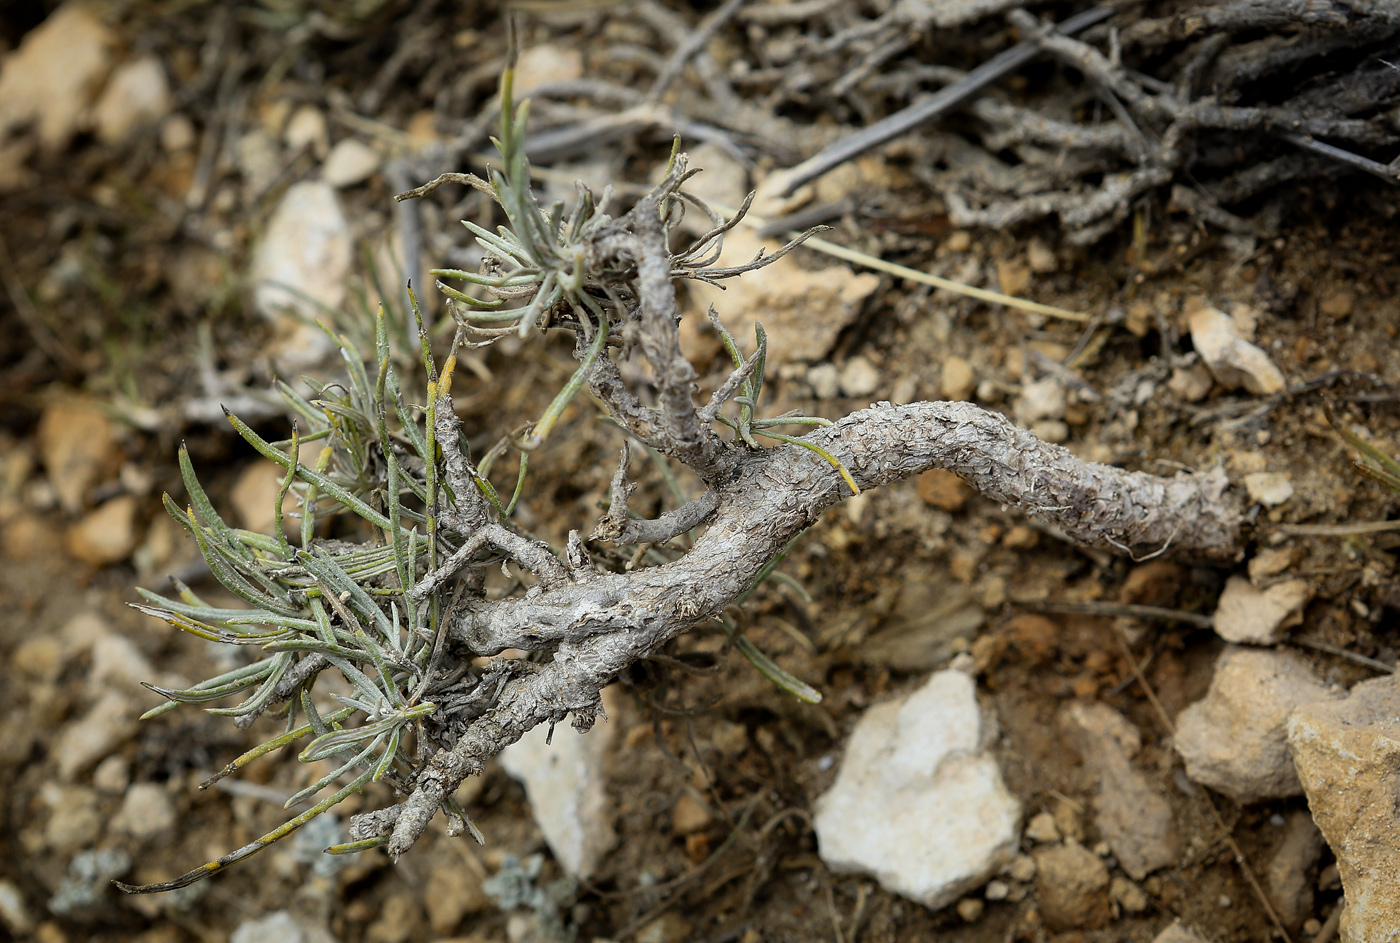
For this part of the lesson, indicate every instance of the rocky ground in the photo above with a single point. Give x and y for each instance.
(1017, 740)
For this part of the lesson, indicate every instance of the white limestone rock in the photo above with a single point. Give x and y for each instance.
(1248, 614)
(566, 785)
(302, 264)
(1234, 361)
(1235, 740)
(137, 95)
(350, 162)
(1347, 753)
(918, 801)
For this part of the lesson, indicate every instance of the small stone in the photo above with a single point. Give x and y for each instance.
(1338, 305)
(1133, 818)
(970, 909)
(1286, 875)
(146, 812)
(1034, 636)
(1128, 895)
(1268, 488)
(567, 788)
(1234, 361)
(254, 496)
(689, 815)
(859, 377)
(1268, 562)
(350, 162)
(13, 914)
(959, 241)
(52, 77)
(546, 64)
(118, 664)
(112, 775)
(1020, 537)
(1013, 275)
(78, 445)
(1235, 740)
(1177, 933)
(1191, 384)
(94, 736)
(1247, 614)
(1022, 868)
(803, 310)
(1346, 753)
(276, 927)
(307, 129)
(729, 738)
(177, 134)
(668, 928)
(825, 381)
(41, 658)
(1072, 888)
(919, 767)
(106, 535)
(73, 821)
(957, 379)
(1041, 257)
(1043, 399)
(452, 893)
(259, 161)
(1042, 828)
(1051, 430)
(307, 248)
(997, 890)
(137, 95)
(942, 489)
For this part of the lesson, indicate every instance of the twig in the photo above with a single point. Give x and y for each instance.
(693, 44)
(1345, 653)
(941, 102)
(1386, 172)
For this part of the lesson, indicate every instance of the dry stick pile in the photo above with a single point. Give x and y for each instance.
(1222, 102)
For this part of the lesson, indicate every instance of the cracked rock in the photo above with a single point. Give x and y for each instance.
(1235, 740)
(918, 802)
(1347, 753)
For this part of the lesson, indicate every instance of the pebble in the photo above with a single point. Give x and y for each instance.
(1191, 384)
(117, 664)
(307, 129)
(1287, 873)
(397, 920)
(668, 928)
(146, 812)
(1177, 933)
(306, 246)
(1042, 828)
(1128, 895)
(1268, 488)
(1072, 888)
(94, 736)
(73, 820)
(1022, 868)
(1130, 814)
(78, 445)
(546, 63)
(1013, 275)
(1269, 561)
(942, 489)
(1234, 361)
(957, 379)
(1041, 257)
(689, 815)
(276, 927)
(13, 914)
(350, 162)
(177, 133)
(997, 890)
(803, 310)
(106, 535)
(1347, 752)
(859, 377)
(1043, 399)
(137, 95)
(1235, 740)
(730, 738)
(825, 381)
(1338, 305)
(970, 909)
(1248, 614)
(52, 77)
(918, 801)
(112, 775)
(254, 496)
(567, 788)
